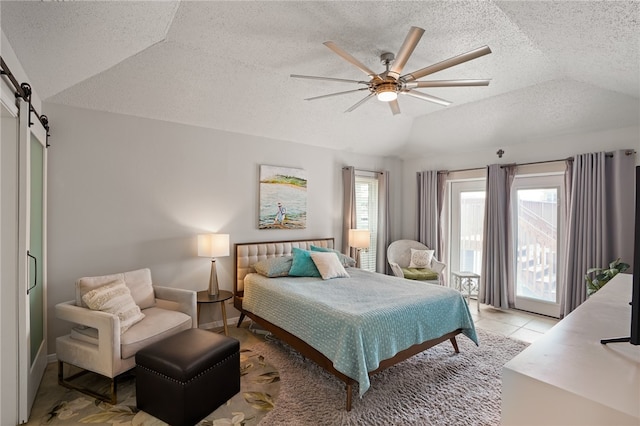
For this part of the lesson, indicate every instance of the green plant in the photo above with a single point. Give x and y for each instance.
(602, 276)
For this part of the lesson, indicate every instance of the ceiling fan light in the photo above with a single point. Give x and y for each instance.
(387, 95)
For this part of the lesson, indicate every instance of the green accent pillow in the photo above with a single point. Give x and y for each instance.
(274, 266)
(421, 274)
(347, 261)
(302, 265)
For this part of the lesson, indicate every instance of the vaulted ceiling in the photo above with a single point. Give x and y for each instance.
(556, 67)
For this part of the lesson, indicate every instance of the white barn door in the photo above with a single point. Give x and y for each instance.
(32, 289)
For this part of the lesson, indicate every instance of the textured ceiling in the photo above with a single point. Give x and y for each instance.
(556, 67)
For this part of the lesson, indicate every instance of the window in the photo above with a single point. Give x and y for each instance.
(367, 216)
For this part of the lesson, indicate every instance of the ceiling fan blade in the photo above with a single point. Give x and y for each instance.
(426, 97)
(341, 80)
(409, 44)
(447, 63)
(369, 96)
(336, 94)
(346, 56)
(447, 83)
(395, 107)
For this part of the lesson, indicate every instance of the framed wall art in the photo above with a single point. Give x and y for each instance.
(283, 198)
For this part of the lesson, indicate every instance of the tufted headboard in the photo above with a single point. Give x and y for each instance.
(249, 253)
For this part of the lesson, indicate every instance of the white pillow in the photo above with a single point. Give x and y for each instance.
(115, 298)
(421, 258)
(139, 283)
(329, 265)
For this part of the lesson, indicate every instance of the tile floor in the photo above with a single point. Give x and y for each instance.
(512, 323)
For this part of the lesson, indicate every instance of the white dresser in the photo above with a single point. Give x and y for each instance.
(568, 378)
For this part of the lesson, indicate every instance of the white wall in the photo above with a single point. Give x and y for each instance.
(128, 192)
(542, 150)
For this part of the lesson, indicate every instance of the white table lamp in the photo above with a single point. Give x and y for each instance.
(213, 245)
(359, 239)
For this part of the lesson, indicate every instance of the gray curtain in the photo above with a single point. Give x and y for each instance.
(431, 185)
(442, 183)
(428, 212)
(600, 219)
(496, 278)
(384, 224)
(348, 208)
(620, 175)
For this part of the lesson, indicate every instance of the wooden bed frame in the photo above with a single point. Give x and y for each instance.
(298, 344)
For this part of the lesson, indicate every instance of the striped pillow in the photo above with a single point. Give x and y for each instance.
(115, 298)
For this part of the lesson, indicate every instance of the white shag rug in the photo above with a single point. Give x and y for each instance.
(435, 387)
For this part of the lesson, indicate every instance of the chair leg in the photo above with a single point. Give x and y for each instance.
(112, 398)
(240, 320)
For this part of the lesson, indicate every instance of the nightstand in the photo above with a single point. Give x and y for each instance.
(223, 296)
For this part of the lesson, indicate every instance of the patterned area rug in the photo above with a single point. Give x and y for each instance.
(259, 387)
(280, 387)
(435, 387)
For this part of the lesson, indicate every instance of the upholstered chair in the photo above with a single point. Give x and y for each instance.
(399, 255)
(114, 316)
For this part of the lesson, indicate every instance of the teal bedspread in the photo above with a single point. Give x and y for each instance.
(359, 321)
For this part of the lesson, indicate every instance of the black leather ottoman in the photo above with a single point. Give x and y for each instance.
(185, 377)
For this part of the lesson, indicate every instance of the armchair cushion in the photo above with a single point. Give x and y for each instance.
(139, 283)
(115, 298)
(158, 325)
(422, 274)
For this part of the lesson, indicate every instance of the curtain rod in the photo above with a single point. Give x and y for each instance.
(570, 159)
(608, 155)
(510, 164)
(446, 172)
(24, 91)
(362, 170)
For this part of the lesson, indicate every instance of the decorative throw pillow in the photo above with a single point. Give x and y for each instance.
(115, 298)
(139, 284)
(274, 266)
(420, 258)
(302, 264)
(329, 265)
(347, 261)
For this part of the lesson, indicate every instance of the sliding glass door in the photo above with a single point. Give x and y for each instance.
(536, 206)
(467, 225)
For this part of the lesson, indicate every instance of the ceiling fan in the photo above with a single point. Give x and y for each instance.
(387, 85)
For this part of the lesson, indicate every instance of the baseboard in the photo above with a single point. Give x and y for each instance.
(218, 323)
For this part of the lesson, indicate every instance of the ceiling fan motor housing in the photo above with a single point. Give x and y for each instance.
(386, 90)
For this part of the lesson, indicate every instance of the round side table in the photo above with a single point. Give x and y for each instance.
(223, 295)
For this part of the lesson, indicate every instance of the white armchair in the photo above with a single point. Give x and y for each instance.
(399, 257)
(96, 342)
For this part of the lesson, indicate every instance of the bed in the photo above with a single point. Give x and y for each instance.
(352, 327)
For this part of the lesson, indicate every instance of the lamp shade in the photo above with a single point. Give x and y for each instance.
(359, 238)
(213, 245)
